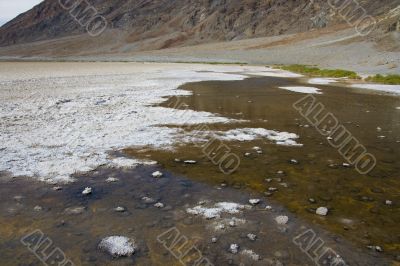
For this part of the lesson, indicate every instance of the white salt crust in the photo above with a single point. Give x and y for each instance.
(54, 125)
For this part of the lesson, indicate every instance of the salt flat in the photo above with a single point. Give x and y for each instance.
(58, 119)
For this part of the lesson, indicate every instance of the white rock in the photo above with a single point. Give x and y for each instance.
(148, 200)
(234, 248)
(232, 223)
(252, 237)
(119, 209)
(112, 180)
(389, 202)
(87, 191)
(57, 188)
(190, 162)
(157, 174)
(159, 205)
(282, 220)
(322, 211)
(268, 208)
(346, 165)
(214, 240)
(118, 246)
(38, 208)
(254, 201)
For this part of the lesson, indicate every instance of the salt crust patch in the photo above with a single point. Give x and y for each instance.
(53, 126)
(395, 89)
(303, 89)
(118, 246)
(248, 134)
(322, 81)
(216, 210)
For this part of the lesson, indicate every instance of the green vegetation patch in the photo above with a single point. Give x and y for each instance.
(388, 79)
(315, 71)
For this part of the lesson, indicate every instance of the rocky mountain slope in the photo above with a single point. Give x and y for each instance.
(181, 22)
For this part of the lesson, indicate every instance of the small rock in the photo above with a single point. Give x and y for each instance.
(120, 209)
(294, 161)
(234, 249)
(87, 191)
(159, 205)
(311, 200)
(252, 237)
(157, 174)
(346, 165)
(190, 162)
(214, 240)
(57, 188)
(268, 180)
(389, 202)
(74, 210)
(378, 129)
(272, 189)
(254, 201)
(282, 220)
(148, 200)
(232, 223)
(37, 208)
(268, 208)
(247, 154)
(322, 211)
(177, 160)
(112, 180)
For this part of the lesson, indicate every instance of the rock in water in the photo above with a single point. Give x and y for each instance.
(87, 191)
(322, 211)
(118, 246)
(157, 174)
(282, 220)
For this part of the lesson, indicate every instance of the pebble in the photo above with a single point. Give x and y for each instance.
(159, 205)
(389, 202)
(268, 208)
(87, 191)
(74, 210)
(268, 180)
(112, 180)
(378, 129)
(232, 223)
(157, 174)
(148, 200)
(37, 208)
(282, 220)
(247, 154)
(294, 161)
(311, 200)
(190, 162)
(346, 165)
(57, 188)
(177, 160)
(272, 189)
(254, 201)
(322, 211)
(120, 209)
(214, 240)
(234, 248)
(252, 237)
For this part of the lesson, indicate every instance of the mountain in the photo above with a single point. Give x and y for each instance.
(50, 29)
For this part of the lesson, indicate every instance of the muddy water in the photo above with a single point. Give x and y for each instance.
(79, 234)
(357, 203)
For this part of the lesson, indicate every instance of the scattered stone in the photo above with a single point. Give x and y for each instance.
(177, 160)
(346, 165)
(268, 180)
(118, 246)
(148, 200)
(234, 248)
(285, 185)
(214, 240)
(232, 223)
(112, 180)
(57, 188)
(381, 137)
(87, 191)
(322, 211)
(159, 205)
(252, 237)
(254, 202)
(272, 189)
(282, 220)
(37, 208)
(268, 208)
(378, 129)
(311, 200)
(247, 154)
(157, 174)
(294, 161)
(190, 162)
(120, 209)
(329, 138)
(18, 198)
(376, 248)
(389, 202)
(280, 172)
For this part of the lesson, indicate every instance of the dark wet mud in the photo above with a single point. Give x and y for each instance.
(357, 203)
